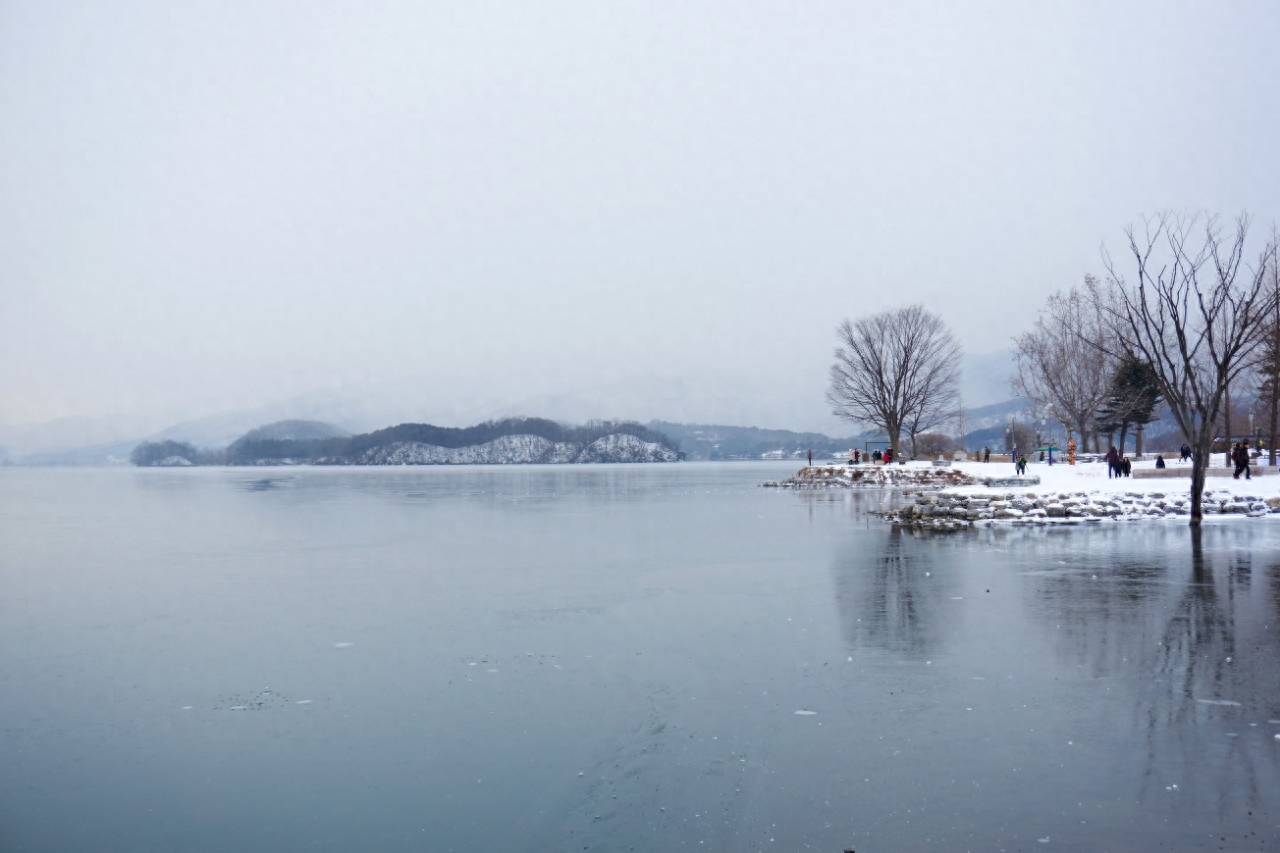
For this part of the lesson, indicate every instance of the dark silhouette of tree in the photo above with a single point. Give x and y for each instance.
(1131, 399)
(1269, 366)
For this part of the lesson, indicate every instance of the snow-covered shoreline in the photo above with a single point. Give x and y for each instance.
(967, 493)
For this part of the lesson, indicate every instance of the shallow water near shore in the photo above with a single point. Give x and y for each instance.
(653, 657)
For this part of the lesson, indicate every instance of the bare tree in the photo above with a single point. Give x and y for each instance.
(1064, 362)
(1195, 314)
(960, 424)
(896, 370)
(1269, 371)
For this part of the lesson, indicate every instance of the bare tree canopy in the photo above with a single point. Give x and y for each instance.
(896, 370)
(1269, 368)
(1063, 362)
(1195, 312)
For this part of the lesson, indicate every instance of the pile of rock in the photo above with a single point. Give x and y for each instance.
(950, 510)
(845, 476)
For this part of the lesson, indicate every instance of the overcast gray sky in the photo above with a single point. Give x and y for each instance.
(207, 205)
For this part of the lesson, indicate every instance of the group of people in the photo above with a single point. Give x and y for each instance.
(1117, 465)
(874, 456)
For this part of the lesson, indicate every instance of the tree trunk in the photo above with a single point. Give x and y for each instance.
(1198, 463)
(1124, 435)
(1226, 418)
(1271, 439)
(1275, 385)
(1137, 441)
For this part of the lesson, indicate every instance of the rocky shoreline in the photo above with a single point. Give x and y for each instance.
(852, 476)
(951, 498)
(949, 510)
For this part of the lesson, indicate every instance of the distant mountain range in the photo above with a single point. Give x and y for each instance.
(705, 398)
(510, 441)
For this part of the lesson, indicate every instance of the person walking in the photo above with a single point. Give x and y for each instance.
(986, 454)
(1113, 462)
(1126, 467)
(810, 458)
(1241, 454)
(1020, 467)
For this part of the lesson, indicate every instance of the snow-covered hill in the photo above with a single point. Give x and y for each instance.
(515, 450)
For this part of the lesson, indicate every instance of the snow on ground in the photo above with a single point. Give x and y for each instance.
(965, 493)
(1092, 477)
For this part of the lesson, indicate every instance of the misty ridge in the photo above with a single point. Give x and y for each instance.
(509, 441)
(698, 408)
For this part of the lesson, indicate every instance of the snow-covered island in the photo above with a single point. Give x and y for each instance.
(512, 441)
(963, 494)
(514, 450)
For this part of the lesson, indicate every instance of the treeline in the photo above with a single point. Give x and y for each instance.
(1183, 324)
(718, 441)
(251, 450)
(173, 454)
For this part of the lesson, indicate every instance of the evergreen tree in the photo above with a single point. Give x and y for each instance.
(1131, 399)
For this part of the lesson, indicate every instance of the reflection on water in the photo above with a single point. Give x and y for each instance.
(896, 606)
(609, 657)
(1182, 624)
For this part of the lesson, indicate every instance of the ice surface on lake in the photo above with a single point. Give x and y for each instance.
(565, 563)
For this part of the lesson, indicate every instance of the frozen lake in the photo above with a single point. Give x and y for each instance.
(610, 658)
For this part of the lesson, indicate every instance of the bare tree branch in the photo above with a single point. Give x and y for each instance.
(1198, 319)
(1065, 362)
(896, 370)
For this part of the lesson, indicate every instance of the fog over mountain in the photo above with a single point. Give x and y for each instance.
(362, 213)
(793, 403)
